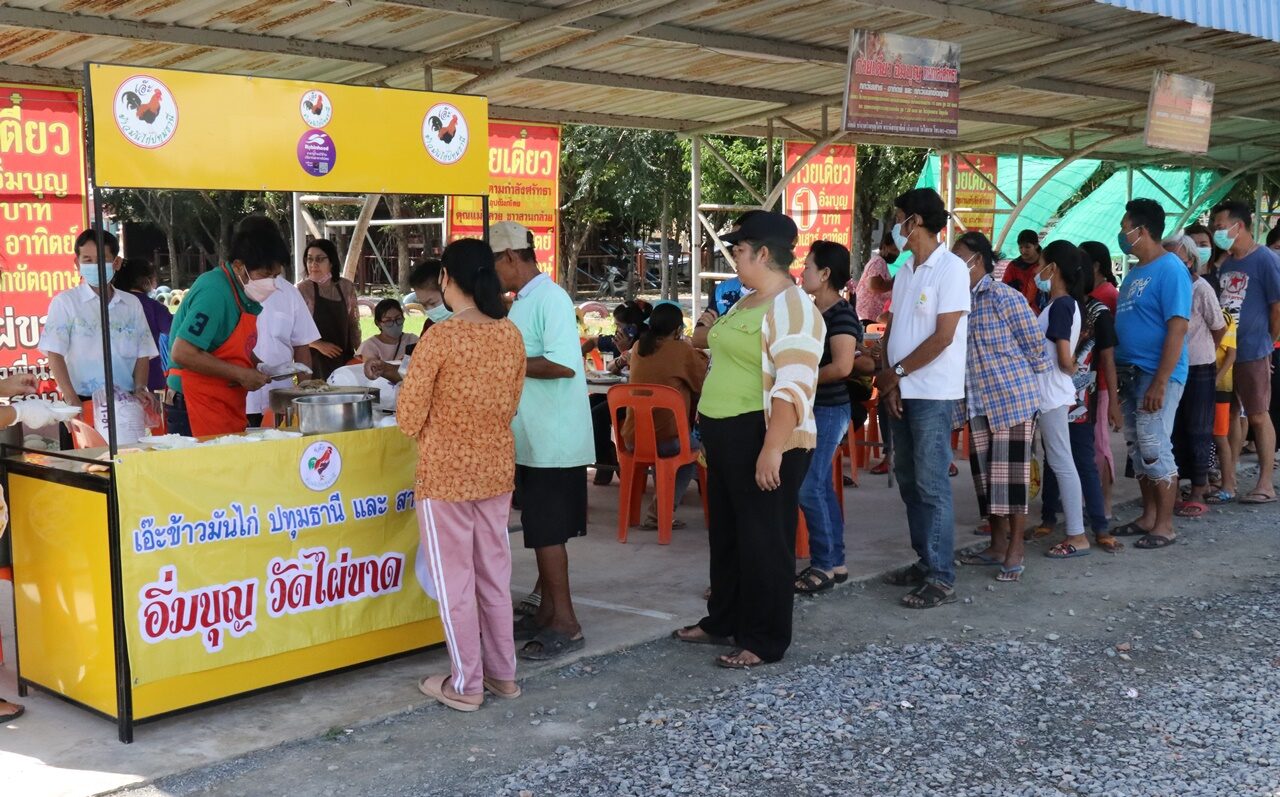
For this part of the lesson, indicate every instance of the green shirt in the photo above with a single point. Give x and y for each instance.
(209, 313)
(735, 384)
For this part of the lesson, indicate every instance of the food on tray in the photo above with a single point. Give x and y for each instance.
(273, 434)
(168, 441)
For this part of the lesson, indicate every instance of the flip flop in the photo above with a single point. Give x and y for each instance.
(433, 686)
(1190, 509)
(1257, 497)
(525, 628)
(980, 559)
(1109, 544)
(551, 645)
(1129, 530)
(1219, 497)
(10, 717)
(1065, 550)
(1010, 575)
(1154, 541)
(811, 581)
(490, 686)
(708, 639)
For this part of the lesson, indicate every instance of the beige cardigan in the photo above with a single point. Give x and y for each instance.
(791, 340)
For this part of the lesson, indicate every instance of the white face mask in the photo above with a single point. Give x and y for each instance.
(258, 290)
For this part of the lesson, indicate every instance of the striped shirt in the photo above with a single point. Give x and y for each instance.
(1005, 352)
(791, 339)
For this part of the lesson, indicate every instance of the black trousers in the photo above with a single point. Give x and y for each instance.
(752, 537)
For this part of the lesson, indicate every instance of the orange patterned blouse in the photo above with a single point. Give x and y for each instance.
(457, 401)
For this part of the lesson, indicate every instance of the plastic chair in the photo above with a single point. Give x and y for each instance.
(85, 436)
(642, 402)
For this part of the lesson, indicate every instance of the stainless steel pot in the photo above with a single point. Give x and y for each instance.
(282, 399)
(324, 413)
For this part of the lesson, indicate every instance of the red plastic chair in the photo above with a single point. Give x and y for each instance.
(642, 402)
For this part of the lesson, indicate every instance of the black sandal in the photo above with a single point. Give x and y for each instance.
(1129, 530)
(812, 581)
(11, 717)
(1151, 542)
(551, 645)
(929, 596)
(525, 628)
(909, 576)
(680, 634)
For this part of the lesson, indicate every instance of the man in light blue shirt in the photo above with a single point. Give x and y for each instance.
(553, 437)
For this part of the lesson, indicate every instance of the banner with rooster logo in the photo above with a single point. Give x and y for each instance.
(311, 541)
(165, 128)
(42, 210)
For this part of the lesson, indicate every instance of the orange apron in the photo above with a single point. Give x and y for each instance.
(214, 405)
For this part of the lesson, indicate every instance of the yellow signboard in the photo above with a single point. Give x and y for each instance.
(162, 128)
(219, 569)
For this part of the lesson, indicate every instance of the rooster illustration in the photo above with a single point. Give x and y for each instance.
(321, 463)
(317, 106)
(444, 133)
(148, 111)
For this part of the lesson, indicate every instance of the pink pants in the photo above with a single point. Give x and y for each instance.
(469, 561)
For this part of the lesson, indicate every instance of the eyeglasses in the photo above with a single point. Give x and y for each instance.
(317, 259)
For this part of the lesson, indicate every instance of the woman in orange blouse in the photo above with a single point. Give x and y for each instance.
(457, 402)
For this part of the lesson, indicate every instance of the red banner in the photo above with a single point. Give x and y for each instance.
(524, 187)
(820, 197)
(973, 192)
(42, 210)
(901, 85)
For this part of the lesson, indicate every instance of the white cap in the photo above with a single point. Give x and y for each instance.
(508, 235)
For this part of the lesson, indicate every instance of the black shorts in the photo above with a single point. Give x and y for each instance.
(553, 504)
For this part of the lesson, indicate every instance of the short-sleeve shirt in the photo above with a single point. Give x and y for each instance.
(733, 386)
(1097, 334)
(1021, 276)
(1150, 295)
(920, 294)
(374, 348)
(1059, 321)
(725, 295)
(284, 324)
(209, 312)
(553, 424)
(1250, 285)
(871, 303)
(840, 320)
(159, 320)
(1206, 318)
(1226, 384)
(73, 329)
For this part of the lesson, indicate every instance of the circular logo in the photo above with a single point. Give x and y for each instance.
(315, 108)
(146, 112)
(320, 466)
(317, 153)
(804, 208)
(445, 133)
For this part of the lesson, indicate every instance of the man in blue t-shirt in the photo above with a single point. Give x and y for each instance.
(1151, 365)
(1250, 280)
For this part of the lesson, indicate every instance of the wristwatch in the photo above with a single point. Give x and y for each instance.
(899, 371)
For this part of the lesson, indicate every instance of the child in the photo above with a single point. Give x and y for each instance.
(1226, 358)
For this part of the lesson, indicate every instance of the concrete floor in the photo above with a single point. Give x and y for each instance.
(626, 595)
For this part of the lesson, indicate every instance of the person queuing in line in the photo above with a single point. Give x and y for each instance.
(553, 438)
(1273, 239)
(1005, 351)
(331, 298)
(1193, 423)
(923, 378)
(1105, 411)
(875, 286)
(212, 365)
(285, 334)
(458, 403)
(826, 270)
(1020, 273)
(1273, 243)
(1093, 346)
(758, 432)
(1223, 416)
(72, 334)
(137, 276)
(424, 281)
(1209, 253)
(1151, 366)
(663, 357)
(1250, 279)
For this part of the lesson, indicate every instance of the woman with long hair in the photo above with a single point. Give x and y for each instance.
(1106, 413)
(331, 298)
(137, 276)
(457, 402)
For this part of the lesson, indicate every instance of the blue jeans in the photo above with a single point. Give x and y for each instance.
(1082, 451)
(684, 475)
(818, 498)
(921, 460)
(1149, 434)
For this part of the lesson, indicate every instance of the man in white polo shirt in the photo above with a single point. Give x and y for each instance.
(922, 378)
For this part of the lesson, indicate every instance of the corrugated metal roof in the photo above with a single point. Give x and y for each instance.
(740, 59)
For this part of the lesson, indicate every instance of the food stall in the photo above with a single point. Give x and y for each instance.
(150, 581)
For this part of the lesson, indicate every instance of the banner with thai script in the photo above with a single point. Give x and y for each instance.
(42, 210)
(310, 541)
(902, 85)
(164, 128)
(820, 197)
(973, 192)
(1179, 113)
(524, 187)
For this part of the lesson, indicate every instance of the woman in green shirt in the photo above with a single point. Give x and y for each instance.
(758, 431)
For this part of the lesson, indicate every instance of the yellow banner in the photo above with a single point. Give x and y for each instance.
(269, 547)
(162, 128)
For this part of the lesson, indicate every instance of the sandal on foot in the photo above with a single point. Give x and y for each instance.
(909, 576)
(18, 711)
(1010, 575)
(433, 686)
(980, 559)
(1153, 541)
(727, 661)
(682, 635)
(529, 604)
(1109, 544)
(491, 686)
(1258, 497)
(1219, 497)
(652, 525)
(840, 578)
(953, 471)
(1065, 550)
(551, 645)
(1129, 530)
(525, 628)
(984, 530)
(1039, 532)
(812, 581)
(880, 470)
(1190, 509)
(929, 596)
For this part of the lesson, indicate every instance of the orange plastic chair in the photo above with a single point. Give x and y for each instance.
(594, 356)
(642, 402)
(6, 574)
(85, 436)
(802, 537)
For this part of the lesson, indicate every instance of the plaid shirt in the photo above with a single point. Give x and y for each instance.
(1005, 352)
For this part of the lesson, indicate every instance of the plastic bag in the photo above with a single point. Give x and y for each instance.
(133, 418)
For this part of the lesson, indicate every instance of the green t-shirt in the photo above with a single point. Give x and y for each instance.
(209, 313)
(735, 384)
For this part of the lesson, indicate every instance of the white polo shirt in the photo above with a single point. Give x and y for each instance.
(920, 294)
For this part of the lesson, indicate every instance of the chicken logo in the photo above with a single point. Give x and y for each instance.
(445, 133)
(316, 109)
(320, 466)
(146, 112)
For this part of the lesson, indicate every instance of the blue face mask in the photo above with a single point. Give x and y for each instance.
(1123, 240)
(1223, 238)
(1043, 284)
(438, 314)
(1205, 253)
(89, 273)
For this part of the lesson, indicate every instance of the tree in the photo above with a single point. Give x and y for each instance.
(884, 173)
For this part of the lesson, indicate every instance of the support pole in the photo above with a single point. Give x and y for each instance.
(1021, 153)
(695, 226)
(768, 156)
(299, 238)
(104, 289)
(951, 195)
(1258, 209)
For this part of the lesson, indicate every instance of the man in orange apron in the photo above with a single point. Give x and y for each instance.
(215, 330)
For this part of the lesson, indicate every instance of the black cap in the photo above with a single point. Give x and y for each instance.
(763, 225)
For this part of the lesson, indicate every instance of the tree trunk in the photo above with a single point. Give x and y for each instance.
(401, 233)
(663, 255)
(571, 268)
